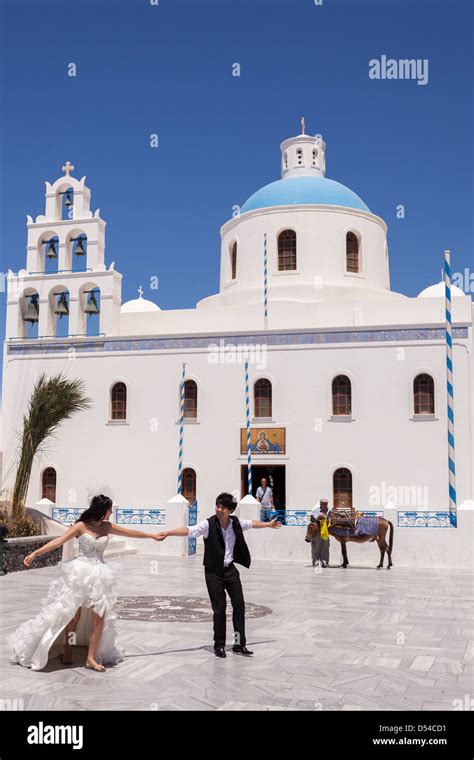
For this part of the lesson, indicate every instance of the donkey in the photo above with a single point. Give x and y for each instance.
(383, 526)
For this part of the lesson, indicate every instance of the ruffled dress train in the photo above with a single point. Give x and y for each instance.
(85, 582)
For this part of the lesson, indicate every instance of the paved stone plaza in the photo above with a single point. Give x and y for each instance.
(329, 640)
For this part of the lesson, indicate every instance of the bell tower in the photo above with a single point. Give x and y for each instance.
(303, 155)
(66, 289)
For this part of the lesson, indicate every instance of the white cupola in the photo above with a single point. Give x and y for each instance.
(303, 155)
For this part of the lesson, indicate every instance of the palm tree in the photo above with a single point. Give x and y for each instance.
(53, 400)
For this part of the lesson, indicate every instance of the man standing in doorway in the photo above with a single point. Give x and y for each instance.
(320, 544)
(224, 545)
(265, 496)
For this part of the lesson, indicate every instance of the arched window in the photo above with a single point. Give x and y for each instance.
(119, 401)
(286, 250)
(233, 261)
(342, 488)
(190, 399)
(263, 398)
(352, 252)
(423, 394)
(341, 395)
(189, 484)
(48, 485)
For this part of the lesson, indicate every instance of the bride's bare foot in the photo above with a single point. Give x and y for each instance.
(93, 665)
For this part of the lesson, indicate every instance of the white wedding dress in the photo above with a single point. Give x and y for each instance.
(85, 582)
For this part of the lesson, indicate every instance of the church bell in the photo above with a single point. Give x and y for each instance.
(68, 201)
(62, 309)
(92, 306)
(80, 251)
(51, 252)
(32, 311)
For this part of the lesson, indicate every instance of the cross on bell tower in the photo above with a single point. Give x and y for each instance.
(67, 168)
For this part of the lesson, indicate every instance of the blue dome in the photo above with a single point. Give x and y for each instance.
(294, 191)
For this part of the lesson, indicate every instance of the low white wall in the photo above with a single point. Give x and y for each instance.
(412, 547)
(176, 517)
(449, 548)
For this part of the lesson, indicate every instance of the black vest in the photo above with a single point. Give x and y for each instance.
(214, 547)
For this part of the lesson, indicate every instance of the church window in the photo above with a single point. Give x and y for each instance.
(287, 250)
(48, 485)
(189, 484)
(352, 252)
(119, 401)
(423, 394)
(190, 399)
(233, 261)
(341, 395)
(263, 398)
(342, 488)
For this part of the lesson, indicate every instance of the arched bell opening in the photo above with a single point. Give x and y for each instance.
(76, 251)
(59, 311)
(89, 301)
(29, 313)
(66, 203)
(48, 253)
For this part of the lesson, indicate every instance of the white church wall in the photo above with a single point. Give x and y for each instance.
(136, 460)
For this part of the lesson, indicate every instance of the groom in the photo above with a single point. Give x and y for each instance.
(224, 545)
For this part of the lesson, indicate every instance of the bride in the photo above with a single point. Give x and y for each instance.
(79, 607)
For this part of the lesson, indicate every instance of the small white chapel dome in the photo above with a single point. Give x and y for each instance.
(437, 291)
(139, 304)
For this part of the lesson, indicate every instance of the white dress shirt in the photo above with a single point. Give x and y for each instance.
(202, 529)
(265, 497)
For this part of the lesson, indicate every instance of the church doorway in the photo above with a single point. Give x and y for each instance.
(276, 479)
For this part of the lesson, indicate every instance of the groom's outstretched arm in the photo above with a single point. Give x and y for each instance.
(184, 531)
(201, 529)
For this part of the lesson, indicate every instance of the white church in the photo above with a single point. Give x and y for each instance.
(347, 379)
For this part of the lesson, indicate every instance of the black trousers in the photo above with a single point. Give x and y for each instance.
(217, 584)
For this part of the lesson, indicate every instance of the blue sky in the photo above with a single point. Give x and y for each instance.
(167, 69)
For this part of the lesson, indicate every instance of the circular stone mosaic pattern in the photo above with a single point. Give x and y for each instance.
(177, 609)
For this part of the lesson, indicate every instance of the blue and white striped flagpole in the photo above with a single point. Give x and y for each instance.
(265, 279)
(247, 413)
(181, 433)
(450, 395)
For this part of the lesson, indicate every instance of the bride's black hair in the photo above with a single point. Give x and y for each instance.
(97, 509)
